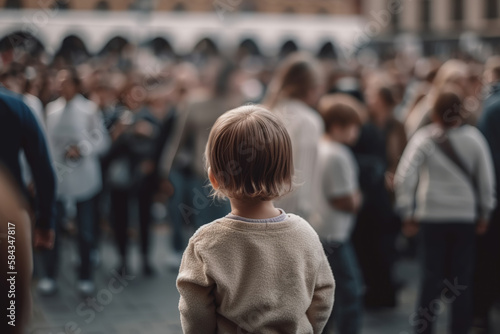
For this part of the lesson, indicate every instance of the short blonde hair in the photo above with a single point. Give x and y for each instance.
(249, 152)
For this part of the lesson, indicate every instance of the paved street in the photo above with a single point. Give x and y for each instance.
(149, 305)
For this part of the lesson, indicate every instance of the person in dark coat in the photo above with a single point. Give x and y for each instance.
(487, 275)
(20, 131)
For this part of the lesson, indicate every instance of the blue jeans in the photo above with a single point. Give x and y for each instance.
(191, 205)
(447, 262)
(348, 307)
(86, 221)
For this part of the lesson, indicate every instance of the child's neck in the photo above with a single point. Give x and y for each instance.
(335, 138)
(253, 209)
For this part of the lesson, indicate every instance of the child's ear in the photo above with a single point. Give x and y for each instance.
(212, 179)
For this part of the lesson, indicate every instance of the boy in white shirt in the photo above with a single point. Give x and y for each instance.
(338, 200)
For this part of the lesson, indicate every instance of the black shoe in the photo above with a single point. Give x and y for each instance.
(122, 268)
(147, 270)
(480, 325)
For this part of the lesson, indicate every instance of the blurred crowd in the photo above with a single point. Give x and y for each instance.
(127, 130)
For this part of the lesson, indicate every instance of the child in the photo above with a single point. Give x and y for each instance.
(258, 269)
(338, 200)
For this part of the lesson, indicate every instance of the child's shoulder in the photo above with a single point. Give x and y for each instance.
(336, 152)
(210, 233)
(332, 147)
(205, 229)
(304, 225)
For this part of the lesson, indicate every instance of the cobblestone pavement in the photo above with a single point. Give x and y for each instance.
(149, 305)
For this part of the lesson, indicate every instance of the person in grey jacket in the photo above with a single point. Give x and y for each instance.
(446, 204)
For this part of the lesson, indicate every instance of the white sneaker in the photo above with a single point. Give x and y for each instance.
(47, 286)
(86, 287)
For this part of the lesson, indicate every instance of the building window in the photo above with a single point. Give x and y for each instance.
(13, 4)
(458, 10)
(142, 5)
(102, 5)
(248, 6)
(288, 48)
(179, 7)
(491, 9)
(327, 51)
(206, 48)
(426, 14)
(249, 47)
(62, 4)
(322, 11)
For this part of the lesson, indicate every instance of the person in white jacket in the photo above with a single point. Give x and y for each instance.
(77, 138)
(445, 191)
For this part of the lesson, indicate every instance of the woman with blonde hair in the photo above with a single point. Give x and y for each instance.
(451, 72)
(293, 93)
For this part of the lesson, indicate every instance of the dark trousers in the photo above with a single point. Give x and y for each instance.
(447, 262)
(191, 205)
(348, 307)
(374, 239)
(86, 221)
(487, 274)
(120, 199)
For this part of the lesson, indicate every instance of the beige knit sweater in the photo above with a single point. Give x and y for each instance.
(238, 277)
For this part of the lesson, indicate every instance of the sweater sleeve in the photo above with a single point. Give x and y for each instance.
(35, 149)
(322, 302)
(485, 178)
(197, 302)
(406, 177)
(97, 132)
(487, 124)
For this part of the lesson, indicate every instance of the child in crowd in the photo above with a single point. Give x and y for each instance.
(258, 269)
(337, 201)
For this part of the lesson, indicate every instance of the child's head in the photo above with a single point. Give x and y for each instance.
(343, 116)
(380, 99)
(249, 155)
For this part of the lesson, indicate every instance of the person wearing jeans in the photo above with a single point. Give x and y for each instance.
(337, 201)
(346, 309)
(77, 138)
(445, 191)
(85, 218)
